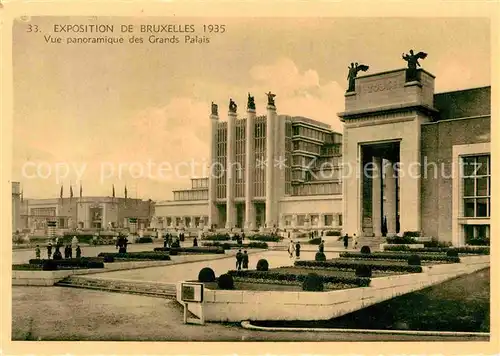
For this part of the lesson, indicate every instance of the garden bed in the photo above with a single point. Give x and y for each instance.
(399, 256)
(460, 250)
(348, 264)
(189, 250)
(146, 255)
(294, 274)
(227, 245)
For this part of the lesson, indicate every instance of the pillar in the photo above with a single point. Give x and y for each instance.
(390, 196)
(212, 181)
(377, 196)
(249, 169)
(193, 221)
(294, 221)
(230, 170)
(321, 220)
(270, 138)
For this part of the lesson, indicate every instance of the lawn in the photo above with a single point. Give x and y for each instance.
(460, 304)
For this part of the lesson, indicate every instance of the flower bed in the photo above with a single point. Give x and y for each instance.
(401, 240)
(73, 263)
(147, 255)
(144, 240)
(315, 241)
(189, 250)
(352, 265)
(332, 233)
(296, 286)
(463, 250)
(266, 238)
(292, 274)
(400, 256)
(227, 245)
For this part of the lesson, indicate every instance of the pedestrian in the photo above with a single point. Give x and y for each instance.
(70, 251)
(195, 242)
(291, 248)
(242, 237)
(165, 240)
(66, 253)
(288, 234)
(321, 246)
(78, 251)
(245, 259)
(57, 254)
(355, 241)
(49, 250)
(346, 240)
(239, 259)
(297, 250)
(37, 252)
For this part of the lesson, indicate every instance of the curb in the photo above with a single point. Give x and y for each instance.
(247, 325)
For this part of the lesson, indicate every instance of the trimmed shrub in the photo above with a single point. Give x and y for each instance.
(365, 250)
(363, 271)
(144, 240)
(414, 260)
(397, 248)
(262, 265)
(399, 256)
(161, 249)
(109, 259)
(315, 241)
(194, 250)
(411, 234)
(452, 253)
(217, 237)
(478, 242)
(206, 275)
(49, 265)
(436, 243)
(226, 246)
(225, 281)
(320, 256)
(256, 245)
(332, 233)
(175, 244)
(313, 283)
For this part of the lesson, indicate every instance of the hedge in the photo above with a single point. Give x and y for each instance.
(478, 242)
(411, 234)
(217, 237)
(332, 233)
(399, 256)
(313, 283)
(144, 240)
(352, 265)
(436, 243)
(70, 263)
(315, 241)
(464, 250)
(401, 240)
(137, 255)
(266, 238)
(201, 249)
(291, 277)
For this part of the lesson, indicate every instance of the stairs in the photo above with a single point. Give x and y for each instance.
(153, 289)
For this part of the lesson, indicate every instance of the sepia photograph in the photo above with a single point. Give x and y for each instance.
(251, 179)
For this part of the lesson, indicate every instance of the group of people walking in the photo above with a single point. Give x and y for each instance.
(294, 248)
(68, 252)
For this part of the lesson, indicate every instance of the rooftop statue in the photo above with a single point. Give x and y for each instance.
(251, 102)
(270, 98)
(232, 106)
(353, 73)
(214, 109)
(412, 60)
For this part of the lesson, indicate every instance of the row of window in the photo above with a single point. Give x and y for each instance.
(178, 221)
(191, 195)
(331, 150)
(43, 211)
(476, 186)
(307, 146)
(314, 220)
(309, 132)
(199, 183)
(317, 189)
(288, 157)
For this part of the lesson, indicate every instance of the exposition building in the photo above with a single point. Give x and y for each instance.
(408, 159)
(82, 213)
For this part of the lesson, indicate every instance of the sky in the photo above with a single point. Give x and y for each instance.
(110, 114)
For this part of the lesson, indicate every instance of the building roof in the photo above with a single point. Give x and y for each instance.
(463, 103)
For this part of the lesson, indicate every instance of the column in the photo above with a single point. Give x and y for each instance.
(390, 196)
(212, 181)
(321, 221)
(230, 170)
(193, 222)
(249, 169)
(270, 138)
(377, 196)
(294, 221)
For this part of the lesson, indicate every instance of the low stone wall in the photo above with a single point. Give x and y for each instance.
(239, 305)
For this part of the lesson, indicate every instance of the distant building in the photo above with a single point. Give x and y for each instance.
(86, 213)
(16, 206)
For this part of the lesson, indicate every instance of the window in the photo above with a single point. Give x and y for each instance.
(328, 220)
(340, 219)
(476, 185)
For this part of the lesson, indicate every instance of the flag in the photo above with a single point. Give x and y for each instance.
(113, 190)
(80, 190)
(61, 195)
(125, 192)
(70, 191)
